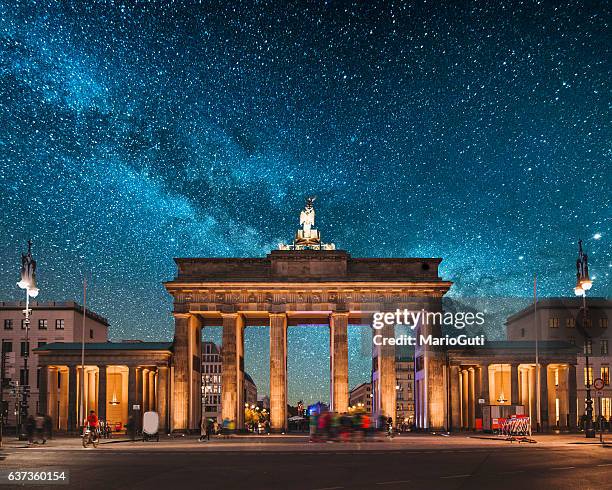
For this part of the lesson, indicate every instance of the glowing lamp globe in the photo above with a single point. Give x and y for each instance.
(578, 291)
(586, 284)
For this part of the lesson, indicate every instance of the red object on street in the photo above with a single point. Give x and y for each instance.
(478, 424)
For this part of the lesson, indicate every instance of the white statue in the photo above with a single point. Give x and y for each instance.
(307, 237)
(307, 217)
(28, 273)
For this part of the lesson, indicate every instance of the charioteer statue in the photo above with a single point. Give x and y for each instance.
(307, 237)
(28, 273)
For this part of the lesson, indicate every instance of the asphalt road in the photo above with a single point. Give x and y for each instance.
(329, 467)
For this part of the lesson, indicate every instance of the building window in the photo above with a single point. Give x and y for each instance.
(570, 322)
(605, 375)
(588, 323)
(588, 347)
(8, 324)
(553, 323)
(25, 348)
(43, 324)
(604, 347)
(91, 333)
(23, 377)
(41, 344)
(59, 324)
(588, 380)
(572, 340)
(522, 332)
(23, 324)
(38, 378)
(603, 322)
(7, 346)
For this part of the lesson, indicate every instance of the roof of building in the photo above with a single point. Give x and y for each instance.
(248, 377)
(571, 303)
(359, 386)
(59, 346)
(519, 345)
(52, 305)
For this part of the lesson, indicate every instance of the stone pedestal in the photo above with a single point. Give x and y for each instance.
(338, 351)
(278, 371)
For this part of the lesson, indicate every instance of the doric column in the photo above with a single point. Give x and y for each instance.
(162, 396)
(386, 372)
(278, 371)
(484, 384)
(514, 384)
(544, 395)
(91, 390)
(563, 395)
(195, 372)
(232, 406)
(465, 390)
(338, 353)
(73, 423)
(455, 387)
(53, 384)
(145, 390)
(471, 398)
(181, 363)
(572, 394)
(43, 391)
(152, 404)
(135, 393)
(102, 392)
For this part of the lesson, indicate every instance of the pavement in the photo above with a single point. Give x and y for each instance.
(462, 460)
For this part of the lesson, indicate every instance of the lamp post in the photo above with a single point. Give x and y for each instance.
(27, 282)
(583, 284)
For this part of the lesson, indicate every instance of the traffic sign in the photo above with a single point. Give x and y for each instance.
(598, 384)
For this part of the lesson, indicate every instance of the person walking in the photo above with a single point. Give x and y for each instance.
(40, 427)
(204, 430)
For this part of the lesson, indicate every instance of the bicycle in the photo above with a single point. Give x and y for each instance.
(91, 436)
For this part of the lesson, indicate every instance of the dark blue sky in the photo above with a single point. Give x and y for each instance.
(131, 133)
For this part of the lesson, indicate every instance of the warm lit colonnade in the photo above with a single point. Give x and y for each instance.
(504, 374)
(119, 380)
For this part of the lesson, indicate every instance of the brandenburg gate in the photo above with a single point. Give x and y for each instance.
(306, 282)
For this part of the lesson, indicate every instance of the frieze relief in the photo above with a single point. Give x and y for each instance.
(301, 297)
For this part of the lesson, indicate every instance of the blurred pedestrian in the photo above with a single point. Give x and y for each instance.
(39, 422)
(48, 427)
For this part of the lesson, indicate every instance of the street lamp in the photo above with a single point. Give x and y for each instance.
(27, 282)
(583, 284)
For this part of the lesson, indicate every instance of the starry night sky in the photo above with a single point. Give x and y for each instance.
(132, 133)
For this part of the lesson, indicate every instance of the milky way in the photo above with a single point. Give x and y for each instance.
(132, 133)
